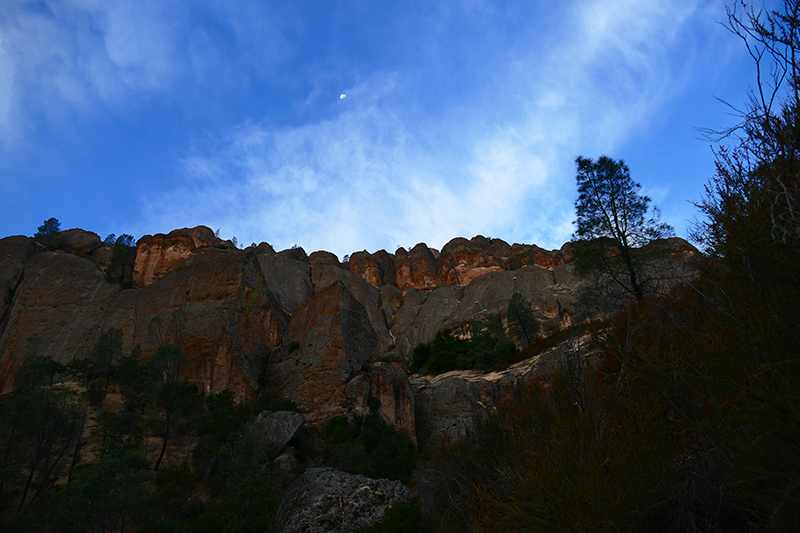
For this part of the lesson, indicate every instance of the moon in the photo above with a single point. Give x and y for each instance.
(342, 96)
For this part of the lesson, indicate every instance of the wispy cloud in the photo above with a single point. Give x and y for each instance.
(372, 174)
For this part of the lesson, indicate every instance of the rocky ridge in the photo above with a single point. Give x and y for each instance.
(328, 335)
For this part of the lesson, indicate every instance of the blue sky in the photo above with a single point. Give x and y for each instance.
(458, 118)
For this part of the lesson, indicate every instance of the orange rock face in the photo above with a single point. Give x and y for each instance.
(158, 255)
(461, 261)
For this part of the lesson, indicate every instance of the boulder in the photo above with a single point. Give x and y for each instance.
(79, 242)
(325, 500)
(364, 265)
(274, 430)
(322, 257)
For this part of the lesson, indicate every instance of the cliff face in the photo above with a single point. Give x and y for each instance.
(328, 335)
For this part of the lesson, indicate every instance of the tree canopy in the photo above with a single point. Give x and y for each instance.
(613, 223)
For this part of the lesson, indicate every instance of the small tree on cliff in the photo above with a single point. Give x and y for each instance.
(613, 227)
(47, 232)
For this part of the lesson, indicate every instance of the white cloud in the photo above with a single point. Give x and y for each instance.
(375, 175)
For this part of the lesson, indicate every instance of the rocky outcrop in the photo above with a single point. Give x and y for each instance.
(288, 276)
(388, 382)
(449, 406)
(158, 255)
(14, 253)
(229, 319)
(218, 307)
(274, 430)
(461, 261)
(324, 500)
(328, 341)
(62, 300)
(331, 336)
(79, 242)
(424, 313)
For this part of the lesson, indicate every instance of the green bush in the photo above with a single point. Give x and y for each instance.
(488, 348)
(369, 446)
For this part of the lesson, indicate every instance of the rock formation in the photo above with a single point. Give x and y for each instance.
(325, 334)
(324, 500)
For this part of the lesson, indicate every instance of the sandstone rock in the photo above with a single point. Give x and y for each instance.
(275, 429)
(328, 341)
(391, 298)
(158, 255)
(387, 266)
(461, 260)
(14, 253)
(524, 254)
(62, 299)
(424, 268)
(449, 406)
(322, 257)
(389, 384)
(288, 278)
(364, 265)
(264, 248)
(102, 255)
(323, 276)
(324, 500)
(501, 248)
(77, 241)
(422, 315)
(231, 318)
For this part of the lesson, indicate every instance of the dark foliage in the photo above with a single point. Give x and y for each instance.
(123, 257)
(613, 230)
(487, 348)
(369, 446)
(47, 233)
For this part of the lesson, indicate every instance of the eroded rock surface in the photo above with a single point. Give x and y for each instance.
(324, 500)
(329, 340)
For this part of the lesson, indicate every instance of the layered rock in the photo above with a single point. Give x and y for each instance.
(324, 500)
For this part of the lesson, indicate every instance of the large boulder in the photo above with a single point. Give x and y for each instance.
(324, 500)
(274, 430)
(329, 340)
(79, 242)
(416, 269)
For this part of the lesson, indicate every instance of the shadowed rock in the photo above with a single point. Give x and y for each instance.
(324, 500)
(329, 339)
